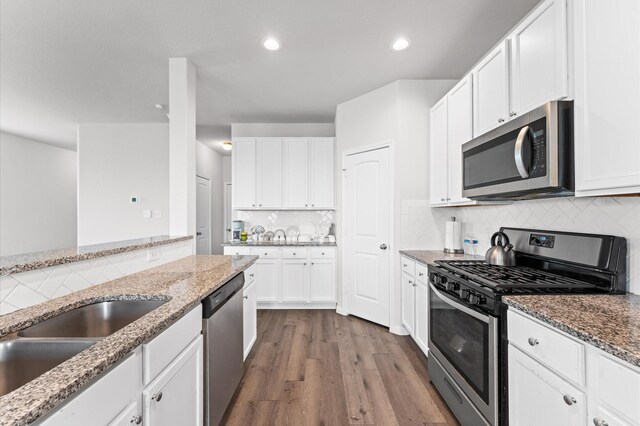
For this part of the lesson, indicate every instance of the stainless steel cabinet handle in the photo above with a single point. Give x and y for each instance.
(500, 120)
(448, 199)
(313, 205)
(442, 199)
(137, 419)
(157, 397)
(305, 263)
(253, 205)
(383, 246)
(312, 263)
(569, 399)
(599, 422)
(251, 275)
(415, 285)
(294, 254)
(420, 274)
(533, 341)
(323, 252)
(259, 205)
(245, 297)
(512, 114)
(404, 265)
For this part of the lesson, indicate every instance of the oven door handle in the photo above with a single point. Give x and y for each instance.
(519, 152)
(458, 306)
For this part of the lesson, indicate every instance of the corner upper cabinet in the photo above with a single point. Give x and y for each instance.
(243, 162)
(491, 90)
(538, 57)
(269, 173)
(607, 97)
(321, 171)
(459, 131)
(438, 141)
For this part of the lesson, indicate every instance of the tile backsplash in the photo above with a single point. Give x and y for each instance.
(423, 227)
(281, 219)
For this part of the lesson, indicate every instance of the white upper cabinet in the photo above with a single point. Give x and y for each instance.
(438, 192)
(538, 56)
(296, 167)
(460, 131)
(321, 172)
(269, 176)
(244, 173)
(491, 90)
(607, 97)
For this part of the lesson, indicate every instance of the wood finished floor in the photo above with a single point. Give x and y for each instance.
(315, 367)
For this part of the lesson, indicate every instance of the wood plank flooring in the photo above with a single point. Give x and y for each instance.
(315, 367)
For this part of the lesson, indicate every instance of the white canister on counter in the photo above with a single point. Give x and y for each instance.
(453, 237)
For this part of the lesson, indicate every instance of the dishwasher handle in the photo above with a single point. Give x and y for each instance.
(218, 298)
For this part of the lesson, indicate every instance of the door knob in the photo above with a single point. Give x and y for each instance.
(198, 233)
(157, 397)
(137, 419)
(383, 246)
(569, 400)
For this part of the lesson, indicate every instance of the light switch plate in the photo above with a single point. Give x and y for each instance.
(146, 214)
(153, 255)
(157, 214)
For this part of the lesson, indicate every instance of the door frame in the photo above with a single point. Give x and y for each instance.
(227, 206)
(343, 308)
(209, 214)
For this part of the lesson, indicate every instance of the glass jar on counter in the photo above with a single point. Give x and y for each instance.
(470, 245)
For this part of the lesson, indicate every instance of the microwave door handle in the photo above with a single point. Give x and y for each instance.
(519, 152)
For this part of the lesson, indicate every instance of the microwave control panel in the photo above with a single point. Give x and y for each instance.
(538, 154)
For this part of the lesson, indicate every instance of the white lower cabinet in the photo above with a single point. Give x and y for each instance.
(249, 316)
(293, 277)
(175, 396)
(544, 388)
(415, 302)
(537, 396)
(173, 392)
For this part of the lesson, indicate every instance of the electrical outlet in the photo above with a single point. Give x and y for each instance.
(153, 255)
(146, 214)
(157, 214)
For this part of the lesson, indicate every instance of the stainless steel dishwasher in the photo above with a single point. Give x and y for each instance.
(223, 366)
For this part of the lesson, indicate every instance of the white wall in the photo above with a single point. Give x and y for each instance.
(37, 196)
(209, 165)
(397, 112)
(226, 168)
(117, 161)
(282, 129)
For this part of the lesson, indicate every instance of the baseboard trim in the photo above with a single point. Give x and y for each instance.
(340, 310)
(399, 330)
(296, 305)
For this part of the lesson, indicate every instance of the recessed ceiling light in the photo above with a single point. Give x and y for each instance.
(226, 145)
(400, 44)
(271, 44)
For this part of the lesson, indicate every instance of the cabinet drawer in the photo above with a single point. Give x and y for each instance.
(294, 253)
(323, 253)
(422, 275)
(560, 353)
(249, 276)
(159, 352)
(408, 266)
(265, 252)
(237, 251)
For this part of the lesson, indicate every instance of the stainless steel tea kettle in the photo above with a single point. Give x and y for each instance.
(501, 251)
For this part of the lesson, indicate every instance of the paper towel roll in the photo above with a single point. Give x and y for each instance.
(453, 237)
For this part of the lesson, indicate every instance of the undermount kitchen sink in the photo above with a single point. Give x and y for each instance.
(94, 321)
(23, 360)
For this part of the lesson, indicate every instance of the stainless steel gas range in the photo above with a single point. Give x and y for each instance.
(467, 320)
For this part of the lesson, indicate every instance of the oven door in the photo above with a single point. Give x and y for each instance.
(465, 342)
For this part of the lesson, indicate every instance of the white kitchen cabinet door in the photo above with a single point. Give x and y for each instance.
(244, 173)
(269, 173)
(538, 48)
(421, 334)
(322, 282)
(321, 171)
(438, 191)
(104, 400)
(491, 91)
(267, 278)
(607, 97)
(296, 173)
(132, 415)
(539, 397)
(250, 319)
(295, 279)
(408, 303)
(175, 396)
(459, 131)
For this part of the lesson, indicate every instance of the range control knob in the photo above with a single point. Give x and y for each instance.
(451, 286)
(476, 299)
(464, 294)
(439, 279)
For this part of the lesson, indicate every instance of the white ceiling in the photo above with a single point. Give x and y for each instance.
(65, 62)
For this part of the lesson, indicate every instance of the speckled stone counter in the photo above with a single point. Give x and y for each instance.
(44, 259)
(183, 283)
(430, 256)
(611, 323)
(277, 244)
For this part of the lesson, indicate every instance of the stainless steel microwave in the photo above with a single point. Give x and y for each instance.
(530, 156)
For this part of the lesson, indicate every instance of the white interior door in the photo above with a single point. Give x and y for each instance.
(367, 232)
(203, 215)
(228, 215)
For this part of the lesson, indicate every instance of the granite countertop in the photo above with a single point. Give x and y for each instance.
(44, 259)
(609, 322)
(183, 283)
(430, 256)
(277, 244)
